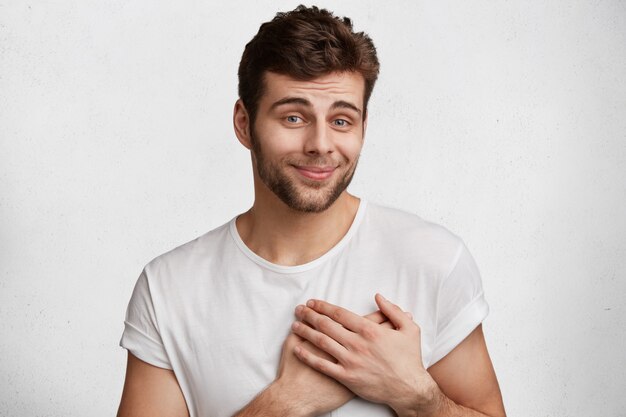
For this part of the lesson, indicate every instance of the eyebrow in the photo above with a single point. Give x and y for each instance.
(291, 100)
(340, 104)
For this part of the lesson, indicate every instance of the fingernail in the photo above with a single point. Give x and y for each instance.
(310, 303)
(295, 325)
(299, 309)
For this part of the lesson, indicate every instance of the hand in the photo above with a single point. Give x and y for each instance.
(379, 364)
(313, 392)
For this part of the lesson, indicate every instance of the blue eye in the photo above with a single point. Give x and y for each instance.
(340, 122)
(293, 119)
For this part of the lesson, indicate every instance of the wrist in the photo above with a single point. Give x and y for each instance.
(424, 401)
(275, 400)
(434, 406)
(286, 402)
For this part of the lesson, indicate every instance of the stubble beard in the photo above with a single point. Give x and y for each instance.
(314, 197)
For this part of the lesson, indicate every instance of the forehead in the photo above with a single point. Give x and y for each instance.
(326, 89)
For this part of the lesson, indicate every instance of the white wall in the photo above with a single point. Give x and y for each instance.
(504, 121)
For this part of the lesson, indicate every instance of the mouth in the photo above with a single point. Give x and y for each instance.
(315, 172)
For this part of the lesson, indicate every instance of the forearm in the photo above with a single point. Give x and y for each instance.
(442, 406)
(272, 402)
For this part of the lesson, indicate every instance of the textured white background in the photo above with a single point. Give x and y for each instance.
(503, 120)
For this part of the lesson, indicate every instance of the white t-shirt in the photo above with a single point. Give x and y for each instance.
(217, 314)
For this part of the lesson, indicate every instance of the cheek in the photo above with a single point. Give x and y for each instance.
(351, 149)
(275, 143)
(282, 148)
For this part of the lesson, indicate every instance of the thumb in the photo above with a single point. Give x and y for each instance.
(394, 313)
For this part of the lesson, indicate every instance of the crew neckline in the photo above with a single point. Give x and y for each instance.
(285, 269)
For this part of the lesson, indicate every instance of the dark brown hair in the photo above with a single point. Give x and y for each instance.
(305, 43)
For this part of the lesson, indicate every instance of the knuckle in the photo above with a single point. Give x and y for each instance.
(337, 315)
(321, 341)
(324, 324)
(321, 366)
(360, 349)
(314, 321)
(369, 333)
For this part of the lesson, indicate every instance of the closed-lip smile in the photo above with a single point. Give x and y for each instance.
(315, 172)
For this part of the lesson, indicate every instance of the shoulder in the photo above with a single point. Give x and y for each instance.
(413, 238)
(192, 256)
(405, 227)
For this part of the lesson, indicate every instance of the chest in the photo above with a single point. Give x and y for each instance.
(228, 339)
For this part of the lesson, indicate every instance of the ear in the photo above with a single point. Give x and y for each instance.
(241, 123)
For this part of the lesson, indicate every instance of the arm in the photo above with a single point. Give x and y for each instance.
(385, 365)
(298, 390)
(150, 391)
(467, 381)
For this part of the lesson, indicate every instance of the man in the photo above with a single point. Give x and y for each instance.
(279, 312)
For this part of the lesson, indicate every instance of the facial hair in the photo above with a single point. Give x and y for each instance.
(317, 197)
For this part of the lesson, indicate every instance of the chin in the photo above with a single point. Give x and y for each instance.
(302, 194)
(311, 201)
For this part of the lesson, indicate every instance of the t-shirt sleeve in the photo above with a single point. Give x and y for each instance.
(461, 304)
(141, 334)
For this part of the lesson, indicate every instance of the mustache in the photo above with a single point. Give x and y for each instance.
(318, 161)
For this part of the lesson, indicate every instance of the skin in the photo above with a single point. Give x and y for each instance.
(150, 391)
(333, 354)
(295, 380)
(384, 365)
(322, 133)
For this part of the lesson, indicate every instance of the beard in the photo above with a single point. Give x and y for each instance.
(309, 197)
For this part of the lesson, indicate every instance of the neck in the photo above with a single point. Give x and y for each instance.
(288, 237)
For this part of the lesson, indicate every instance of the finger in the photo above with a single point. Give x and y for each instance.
(326, 325)
(380, 319)
(313, 349)
(324, 366)
(377, 317)
(340, 315)
(387, 325)
(320, 340)
(393, 312)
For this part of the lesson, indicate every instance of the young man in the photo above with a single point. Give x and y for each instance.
(279, 312)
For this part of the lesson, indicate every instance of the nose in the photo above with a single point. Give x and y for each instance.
(319, 140)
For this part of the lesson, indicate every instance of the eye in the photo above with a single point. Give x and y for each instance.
(341, 123)
(293, 119)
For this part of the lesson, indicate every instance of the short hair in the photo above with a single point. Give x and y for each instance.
(305, 43)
